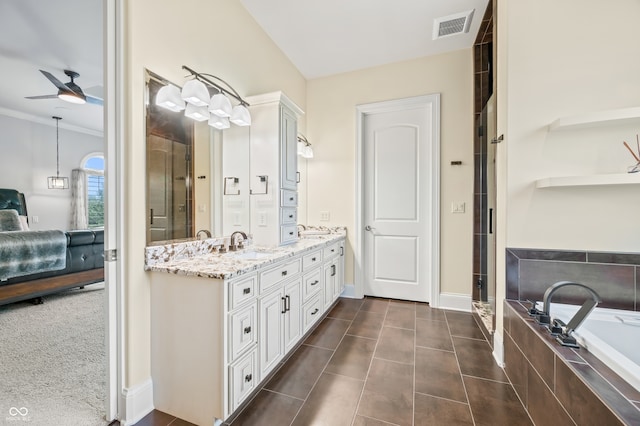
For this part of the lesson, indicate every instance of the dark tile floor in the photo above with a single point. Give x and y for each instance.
(385, 362)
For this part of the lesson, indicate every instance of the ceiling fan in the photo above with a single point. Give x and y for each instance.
(69, 92)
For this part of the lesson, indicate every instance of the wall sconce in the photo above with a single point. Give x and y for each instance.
(195, 99)
(304, 147)
(57, 182)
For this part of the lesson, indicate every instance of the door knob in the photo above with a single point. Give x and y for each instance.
(368, 228)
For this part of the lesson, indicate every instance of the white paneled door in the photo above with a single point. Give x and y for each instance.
(398, 205)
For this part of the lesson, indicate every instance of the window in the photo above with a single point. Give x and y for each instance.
(94, 168)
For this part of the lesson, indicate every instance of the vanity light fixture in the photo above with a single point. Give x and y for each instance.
(304, 147)
(195, 93)
(170, 98)
(200, 106)
(57, 182)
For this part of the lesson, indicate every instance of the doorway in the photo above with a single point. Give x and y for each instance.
(397, 241)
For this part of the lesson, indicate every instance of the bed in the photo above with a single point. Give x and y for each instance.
(34, 264)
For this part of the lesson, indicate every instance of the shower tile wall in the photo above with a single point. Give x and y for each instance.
(614, 276)
(483, 90)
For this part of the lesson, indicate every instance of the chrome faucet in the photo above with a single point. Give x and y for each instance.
(304, 228)
(203, 231)
(559, 328)
(233, 245)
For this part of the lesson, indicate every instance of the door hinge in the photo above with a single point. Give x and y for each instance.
(111, 255)
(498, 139)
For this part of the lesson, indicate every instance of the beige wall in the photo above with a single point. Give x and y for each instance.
(559, 59)
(214, 36)
(331, 128)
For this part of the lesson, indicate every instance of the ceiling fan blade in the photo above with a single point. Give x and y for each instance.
(42, 97)
(93, 100)
(60, 85)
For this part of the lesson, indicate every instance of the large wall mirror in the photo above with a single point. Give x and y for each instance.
(196, 176)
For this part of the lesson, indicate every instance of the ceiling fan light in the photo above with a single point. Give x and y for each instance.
(219, 123)
(71, 97)
(220, 105)
(195, 93)
(169, 97)
(198, 113)
(240, 116)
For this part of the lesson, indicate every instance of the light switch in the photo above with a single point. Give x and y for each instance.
(262, 218)
(457, 207)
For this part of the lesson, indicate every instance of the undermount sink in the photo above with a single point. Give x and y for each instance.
(250, 255)
(314, 233)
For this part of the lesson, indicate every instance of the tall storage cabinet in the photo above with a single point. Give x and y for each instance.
(274, 167)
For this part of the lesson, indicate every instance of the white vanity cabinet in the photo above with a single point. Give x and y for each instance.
(214, 341)
(274, 168)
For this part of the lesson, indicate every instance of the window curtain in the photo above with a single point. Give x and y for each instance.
(79, 212)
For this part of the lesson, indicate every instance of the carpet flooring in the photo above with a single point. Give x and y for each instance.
(52, 360)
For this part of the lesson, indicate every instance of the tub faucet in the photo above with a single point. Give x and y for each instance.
(557, 327)
(233, 245)
(203, 231)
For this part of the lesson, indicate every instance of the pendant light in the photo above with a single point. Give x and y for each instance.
(57, 182)
(240, 116)
(198, 113)
(195, 93)
(220, 105)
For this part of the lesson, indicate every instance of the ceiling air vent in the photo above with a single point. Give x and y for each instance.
(451, 25)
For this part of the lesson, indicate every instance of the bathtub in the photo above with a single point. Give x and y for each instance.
(612, 335)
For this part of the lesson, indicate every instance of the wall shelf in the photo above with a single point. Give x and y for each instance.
(616, 116)
(592, 180)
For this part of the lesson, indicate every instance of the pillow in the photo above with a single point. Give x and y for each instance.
(9, 220)
(24, 223)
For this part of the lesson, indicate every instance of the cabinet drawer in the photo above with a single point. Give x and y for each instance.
(289, 216)
(312, 259)
(288, 234)
(243, 378)
(311, 283)
(279, 273)
(331, 251)
(243, 330)
(242, 290)
(288, 198)
(312, 311)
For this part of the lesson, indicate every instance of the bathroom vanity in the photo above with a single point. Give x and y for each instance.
(222, 322)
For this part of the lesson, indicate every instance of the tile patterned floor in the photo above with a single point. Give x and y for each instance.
(385, 362)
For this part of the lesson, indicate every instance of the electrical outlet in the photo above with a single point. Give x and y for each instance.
(325, 216)
(35, 219)
(262, 218)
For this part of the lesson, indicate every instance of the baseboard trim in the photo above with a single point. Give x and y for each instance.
(498, 349)
(138, 402)
(349, 291)
(455, 302)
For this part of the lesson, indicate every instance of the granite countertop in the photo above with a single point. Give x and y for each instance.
(201, 258)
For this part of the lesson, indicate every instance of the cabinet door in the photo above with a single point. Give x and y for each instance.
(288, 149)
(271, 317)
(338, 283)
(329, 283)
(292, 319)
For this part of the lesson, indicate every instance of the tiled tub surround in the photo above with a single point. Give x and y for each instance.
(614, 276)
(202, 258)
(559, 385)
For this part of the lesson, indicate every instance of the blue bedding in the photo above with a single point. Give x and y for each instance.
(30, 252)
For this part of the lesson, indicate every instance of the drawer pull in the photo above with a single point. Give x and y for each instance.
(290, 216)
(248, 378)
(315, 311)
(247, 330)
(291, 198)
(284, 273)
(284, 305)
(313, 259)
(246, 290)
(291, 233)
(315, 282)
(333, 270)
(287, 303)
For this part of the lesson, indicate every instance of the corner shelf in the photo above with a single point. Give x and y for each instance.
(593, 180)
(615, 116)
